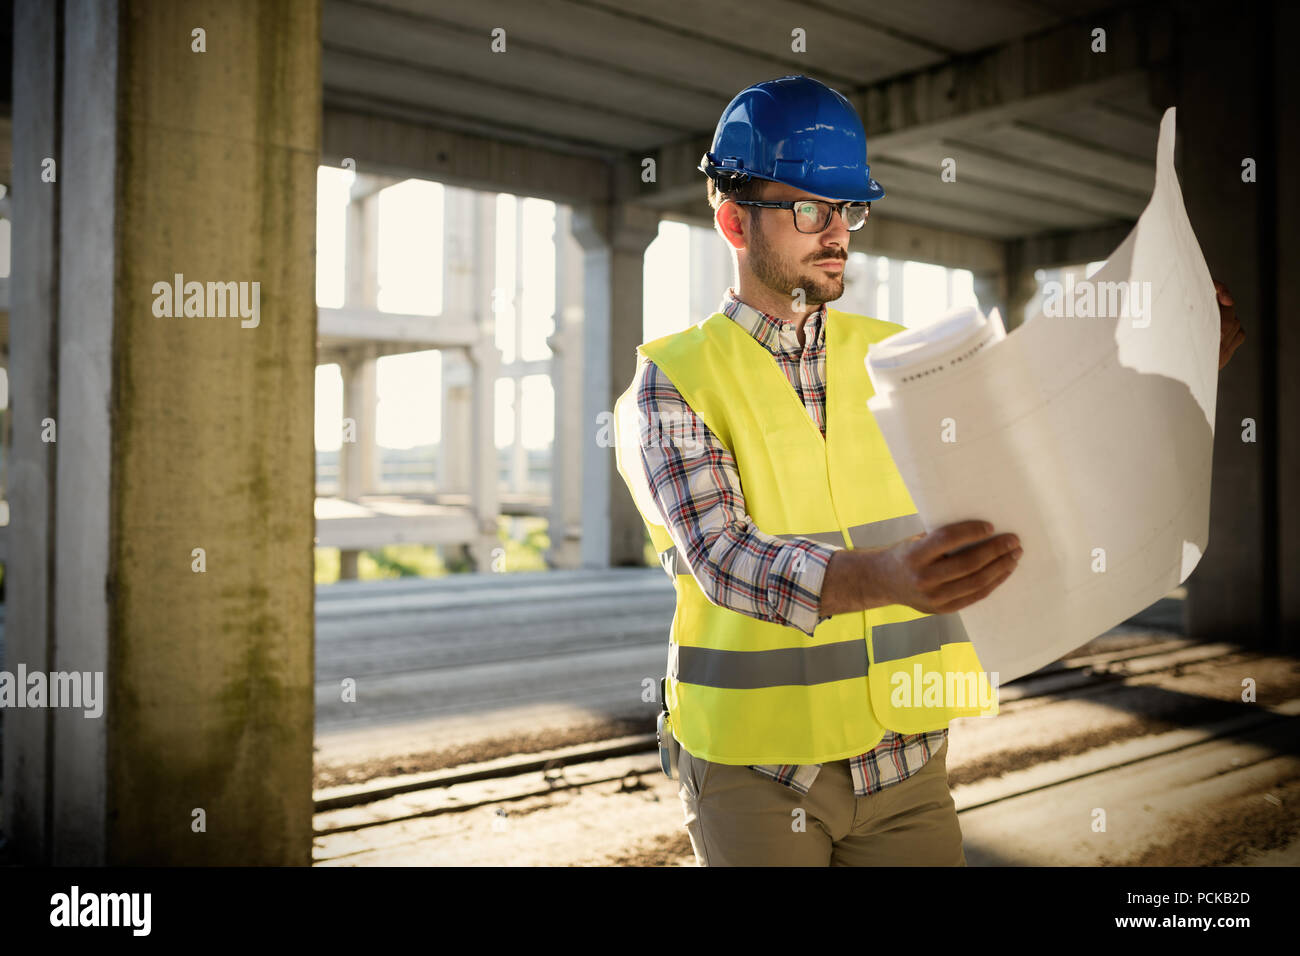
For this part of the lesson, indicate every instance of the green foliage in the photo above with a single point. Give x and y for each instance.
(401, 561)
(529, 553)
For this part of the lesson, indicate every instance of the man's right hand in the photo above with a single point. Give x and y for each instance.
(924, 573)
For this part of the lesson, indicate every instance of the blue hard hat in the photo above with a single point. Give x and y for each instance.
(797, 131)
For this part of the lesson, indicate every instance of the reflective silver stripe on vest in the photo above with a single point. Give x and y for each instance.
(746, 670)
(893, 642)
(880, 534)
(673, 562)
(873, 534)
(803, 666)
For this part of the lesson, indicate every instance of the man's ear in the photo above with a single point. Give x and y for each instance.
(731, 223)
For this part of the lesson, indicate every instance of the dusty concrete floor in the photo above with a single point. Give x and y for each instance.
(1028, 784)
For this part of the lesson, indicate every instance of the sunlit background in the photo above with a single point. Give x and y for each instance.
(410, 273)
(409, 268)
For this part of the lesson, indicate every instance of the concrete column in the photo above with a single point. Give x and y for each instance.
(1022, 289)
(459, 209)
(860, 286)
(518, 454)
(456, 445)
(460, 292)
(991, 292)
(1231, 81)
(1018, 285)
(359, 472)
(711, 272)
(361, 261)
(1010, 291)
(33, 398)
(359, 465)
(485, 361)
(614, 238)
(879, 267)
(896, 291)
(174, 433)
(565, 523)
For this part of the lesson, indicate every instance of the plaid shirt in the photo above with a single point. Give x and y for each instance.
(736, 565)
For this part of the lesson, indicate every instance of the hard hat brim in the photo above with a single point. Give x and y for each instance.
(845, 191)
(870, 192)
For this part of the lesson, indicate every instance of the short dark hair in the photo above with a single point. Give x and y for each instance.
(753, 189)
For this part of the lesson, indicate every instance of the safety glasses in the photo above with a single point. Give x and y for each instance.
(814, 215)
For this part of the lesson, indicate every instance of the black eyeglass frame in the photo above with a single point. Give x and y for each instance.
(835, 207)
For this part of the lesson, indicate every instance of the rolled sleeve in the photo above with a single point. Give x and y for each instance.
(795, 583)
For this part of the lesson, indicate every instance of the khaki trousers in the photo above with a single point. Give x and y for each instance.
(737, 817)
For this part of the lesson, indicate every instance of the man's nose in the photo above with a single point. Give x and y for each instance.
(832, 244)
(837, 233)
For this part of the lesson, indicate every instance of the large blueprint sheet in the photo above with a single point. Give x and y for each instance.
(1089, 437)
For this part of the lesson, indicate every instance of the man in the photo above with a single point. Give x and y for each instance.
(807, 587)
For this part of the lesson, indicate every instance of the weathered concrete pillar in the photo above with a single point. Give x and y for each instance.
(485, 363)
(1231, 83)
(518, 456)
(359, 471)
(455, 447)
(33, 397)
(614, 238)
(361, 263)
(991, 292)
(565, 519)
(460, 289)
(860, 285)
(359, 462)
(895, 290)
(712, 271)
(179, 491)
(358, 458)
(1018, 285)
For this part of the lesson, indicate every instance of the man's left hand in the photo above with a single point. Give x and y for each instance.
(1230, 332)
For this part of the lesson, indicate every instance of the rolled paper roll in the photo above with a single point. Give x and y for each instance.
(919, 354)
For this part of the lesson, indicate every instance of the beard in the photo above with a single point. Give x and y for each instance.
(783, 277)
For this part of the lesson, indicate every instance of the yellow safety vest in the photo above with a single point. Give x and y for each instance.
(740, 690)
